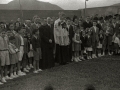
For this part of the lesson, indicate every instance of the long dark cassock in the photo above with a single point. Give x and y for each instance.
(46, 34)
(61, 36)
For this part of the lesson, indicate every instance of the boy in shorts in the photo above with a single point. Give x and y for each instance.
(36, 50)
(4, 56)
(21, 50)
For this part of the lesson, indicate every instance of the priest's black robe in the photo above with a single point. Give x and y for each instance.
(46, 34)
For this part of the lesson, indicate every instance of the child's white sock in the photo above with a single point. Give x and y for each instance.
(27, 67)
(25, 70)
(31, 66)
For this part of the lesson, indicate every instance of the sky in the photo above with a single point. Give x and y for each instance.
(75, 4)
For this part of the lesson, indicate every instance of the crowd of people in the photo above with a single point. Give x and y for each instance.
(41, 42)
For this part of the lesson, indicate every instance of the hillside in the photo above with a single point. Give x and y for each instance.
(29, 5)
(118, 4)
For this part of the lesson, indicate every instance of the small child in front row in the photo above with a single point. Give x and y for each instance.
(30, 49)
(77, 45)
(36, 50)
(100, 45)
(25, 55)
(89, 45)
(82, 37)
(13, 57)
(4, 56)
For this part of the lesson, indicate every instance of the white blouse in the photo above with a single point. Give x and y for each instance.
(22, 40)
(61, 35)
(117, 41)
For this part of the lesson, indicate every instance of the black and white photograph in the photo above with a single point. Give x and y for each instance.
(59, 44)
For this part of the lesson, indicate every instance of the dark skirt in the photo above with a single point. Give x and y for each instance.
(62, 54)
(82, 47)
(13, 58)
(77, 47)
(70, 52)
(25, 60)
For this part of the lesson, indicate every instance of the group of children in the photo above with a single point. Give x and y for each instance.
(94, 42)
(17, 49)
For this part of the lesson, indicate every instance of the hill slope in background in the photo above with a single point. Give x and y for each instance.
(116, 4)
(29, 5)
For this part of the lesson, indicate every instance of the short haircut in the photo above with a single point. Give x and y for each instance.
(34, 31)
(48, 18)
(68, 18)
(10, 24)
(21, 28)
(2, 23)
(74, 17)
(95, 21)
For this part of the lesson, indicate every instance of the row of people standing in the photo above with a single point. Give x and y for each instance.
(97, 36)
(41, 44)
(24, 48)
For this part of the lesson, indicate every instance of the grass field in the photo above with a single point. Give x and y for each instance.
(103, 73)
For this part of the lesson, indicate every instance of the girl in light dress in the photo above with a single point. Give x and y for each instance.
(116, 42)
(77, 44)
(13, 57)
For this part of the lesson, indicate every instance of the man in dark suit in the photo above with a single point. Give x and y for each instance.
(87, 24)
(71, 35)
(47, 44)
(95, 38)
(101, 24)
(115, 26)
(52, 28)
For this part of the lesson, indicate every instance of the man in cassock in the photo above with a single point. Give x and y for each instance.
(47, 44)
(61, 37)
